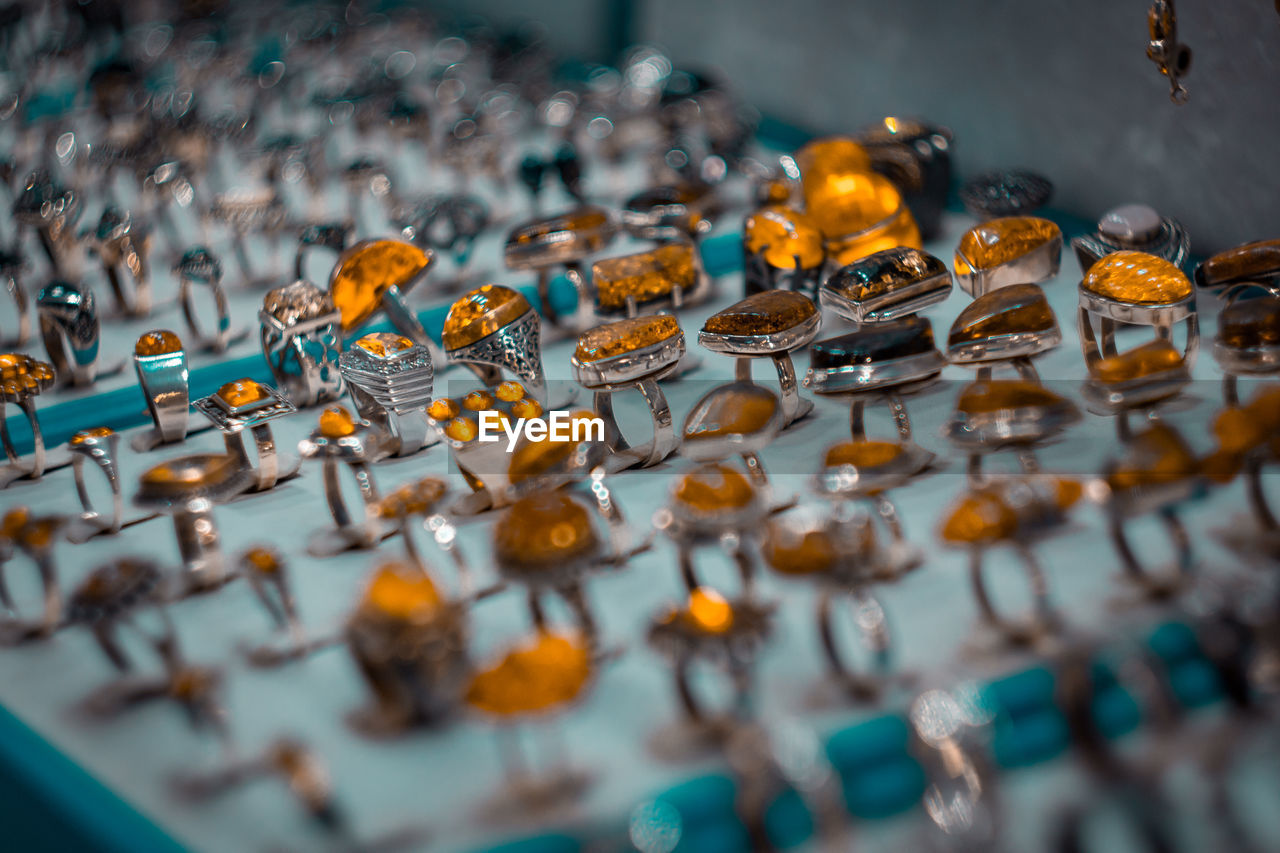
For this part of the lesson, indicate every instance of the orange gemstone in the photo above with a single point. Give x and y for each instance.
(980, 517)
(862, 454)
(263, 560)
(336, 422)
(366, 271)
(526, 409)
(578, 233)
(624, 336)
(714, 488)
(996, 395)
(533, 459)
(402, 592)
(480, 313)
(462, 429)
(646, 276)
(1156, 457)
(187, 472)
(822, 160)
(544, 531)
(709, 611)
(763, 313)
(551, 670)
(443, 409)
(733, 411)
(899, 231)
(159, 342)
(1017, 309)
(415, 498)
(811, 552)
(13, 522)
(39, 532)
(1137, 278)
(1001, 241)
(85, 435)
(854, 202)
(478, 401)
(1146, 360)
(509, 392)
(383, 344)
(1066, 492)
(242, 392)
(785, 238)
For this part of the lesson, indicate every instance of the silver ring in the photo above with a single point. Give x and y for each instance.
(1011, 250)
(119, 243)
(564, 240)
(330, 236)
(782, 249)
(198, 266)
(161, 365)
(70, 328)
(713, 504)
(52, 211)
(34, 536)
(100, 446)
(112, 598)
(374, 276)
(22, 379)
(1134, 287)
(1134, 227)
(301, 332)
(897, 354)
(341, 440)
(670, 276)
(11, 266)
(257, 210)
(249, 405)
(886, 285)
(493, 328)
(1013, 322)
(390, 378)
(740, 418)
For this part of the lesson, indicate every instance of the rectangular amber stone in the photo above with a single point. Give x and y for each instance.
(647, 277)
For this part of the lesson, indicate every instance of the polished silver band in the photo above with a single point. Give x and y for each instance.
(897, 409)
(200, 546)
(14, 628)
(516, 347)
(164, 382)
(365, 533)
(1161, 318)
(133, 300)
(69, 326)
(304, 361)
(102, 452)
(1155, 584)
(653, 451)
(221, 337)
(268, 468)
(1023, 630)
(874, 631)
(794, 407)
(33, 469)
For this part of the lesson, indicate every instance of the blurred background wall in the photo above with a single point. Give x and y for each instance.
(1060, 86)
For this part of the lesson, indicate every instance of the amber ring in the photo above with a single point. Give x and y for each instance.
(995, 413)
(564, 240)
(161, 365)
(375, 276)
(898, 354)
(11, 266)
(886, 285)
(198, 266)
(782, 249)
(70, 328)
(494, 328)
(1137, 288)
(22, 379)
(99, 446)
(119, 596)
(265, 570)
(670, 212)
(738, 419)
(1011, 325)
(35, 537)
(1246, 343)
(668, 277)
(246, 404)
(416, 502)
(632, 353)
(1134, 227)
(120, 244)
(390, 378)
(1010, 250)
(340, 439)
(1257, 262)
(766, 325)
(301, 333)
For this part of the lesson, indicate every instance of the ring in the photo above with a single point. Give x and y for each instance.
(118, 243)
(1013, 512)
(339, 438)
(331, 236)
(1134, 227)
(898, 354)
(22, 379)
(564, 240)
(771, 324)
(161, 364)
(301, 333)
(246, 210)
(164, 183)
(633, 353)
(961, 794)
(991, 414)
(886, 285)
(493, 328)
(1013, 324)
(1143, 376)
(389, 378)
(715, 504)
(112, 598)
(52, 211)
(1243, 434)
(1008, 193)
(725, 633)
(187, 488)
(35, 536)
(366, 178)
(198, 266)
(11, 266)
(670, 276)
(249, 405)
(670, 212)
(916, 156)
(264, 569)
(740, 418)
(1247, 341)
(374, 276)
(1136, 288)
(419, 499)
(449, 223)
(410, 643)
(1252, 262)
(98, 445)
(782, 249)
(70, 328)
(1010, 250)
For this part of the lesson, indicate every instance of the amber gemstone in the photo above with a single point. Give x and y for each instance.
(899, 231)
(544, 531)
(785, 238)
(13, 522)
(462, 429)
(1001, 241)
(39, 532)
(732, 410)
(480, 313)
(159, 342)
(384, 344)
(1255, 261)
(402, 592)
(646, 276)
(775, 192)
(86, 435)
(415, 498)
(242, 392)
(336, 422)
(708, 611)
(823, 161)
(366, 271)
(185, 472)
(1066, 492)
(526, 409)
(551, 670)
(1149, 359)
(534, 458)
(789, 553)
(443, 409)
(509, 392)
(851, 203)
(995, 395)
(873, 343)
(883, 272)
(263, 560)
(478, 401)
(625, 336)
(762, 313)
(1013, 310)
(979, 517)
(1137, 278)
(1157, 456)
(862, 454)
(1250, 323)
(714, 488)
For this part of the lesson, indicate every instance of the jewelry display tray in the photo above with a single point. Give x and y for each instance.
(107, 783)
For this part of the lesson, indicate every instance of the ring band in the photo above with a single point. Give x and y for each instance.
(493, 328)
(70, 329)
(248, 405)
(161, 365)
(22, 379)
(301, 333)
(199, 267)
(118, 244)
(390, 379)
(341, 440)
(112, 597)
(98, 445)
(1026, 629)
(11, 266)
(35, 536)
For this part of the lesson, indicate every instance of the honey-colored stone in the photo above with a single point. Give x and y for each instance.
(478, 401)
(996, 395)
(809, 553)
(509, 391)
(189, 472)
(526, 409)
(158, 342)
(551, 670)
(624, 336)
(823, 160)
(443, 409)
(366, 271)
(708, 611)
(762, 313)
(480, 313)
(86, 435)
(587, 225)
(263, 560)
(714, 488)
(544, 531)
(1256, 261)
(1247, 323)
(336, 422)
(1002, 240)
(1149, 359)
(862, 454)
(980, 517)
(784, 238)
(13, 522)
(401, 592)
(242, 392)
(732, 412)
(1017, 309)
(462, 429)
(901, 230)
(852, 203)
(645, 276)
(39, 532)
(532, 459)
(1137, 278)
(1157, 456)
(383, 344)
(416, 498)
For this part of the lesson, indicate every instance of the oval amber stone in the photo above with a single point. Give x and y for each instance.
(383, 344)
(336, 422)
(784, 237)
(714, 488)
(1137, 278)
(645, 276)
(509, 392)
(263, 560)
(862, 454)
(762, 313)
(821, 160)
(708, 611)
(853, 202)
(443, 409)
(1146, 360)
(550, 670)
(187, 472)
(980, 516)
(402, 592)
(480, 313)
(85, 435)
(366, 271)
(809, 553)
(1001, 241)
(478, 401)
(158, 342)
(544, 531)
(995, 395)
(624, 336)
(462, 429)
